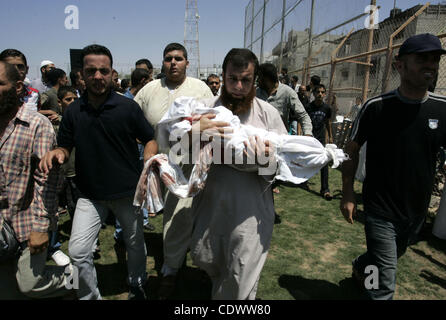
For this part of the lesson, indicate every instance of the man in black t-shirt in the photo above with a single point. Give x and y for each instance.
(320, 114)
(404, 130)
(303, 97)
(103, 127)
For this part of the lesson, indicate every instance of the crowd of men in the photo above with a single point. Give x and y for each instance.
(83, 147)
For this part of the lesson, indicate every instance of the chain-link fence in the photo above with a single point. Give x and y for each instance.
(293, 33)
(281, 32)
(341, 42)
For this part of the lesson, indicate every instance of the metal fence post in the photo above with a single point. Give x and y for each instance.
(263, 32)
(389, 55)
(310, 41)
(282, 34)
(365, 88)
(252, 24)
(333, 65)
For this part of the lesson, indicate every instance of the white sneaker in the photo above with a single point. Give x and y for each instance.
(60, 258)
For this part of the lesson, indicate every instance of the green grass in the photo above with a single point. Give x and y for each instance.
(309, 258)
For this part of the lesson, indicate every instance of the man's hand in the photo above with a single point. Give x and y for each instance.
(258, 150)
(210, 127)
(54, 118)
(38, 242)
(58, 156)
(348, 207)
(348, 203)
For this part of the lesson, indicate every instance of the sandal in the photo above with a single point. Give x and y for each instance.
(327, 196)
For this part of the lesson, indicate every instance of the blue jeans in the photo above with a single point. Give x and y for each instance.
(118, 231)
(386, 242)
(54, 244)
(293, 128)
(87, 222)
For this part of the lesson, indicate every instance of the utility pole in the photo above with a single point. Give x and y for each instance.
(191, 38)
(310, 44)
(365, 88)
(282, 34)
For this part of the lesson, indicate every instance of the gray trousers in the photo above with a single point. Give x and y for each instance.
(88, 218)
(178, 222)
(30, 277)
(387, 241)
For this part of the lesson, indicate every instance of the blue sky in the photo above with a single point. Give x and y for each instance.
(131, 29)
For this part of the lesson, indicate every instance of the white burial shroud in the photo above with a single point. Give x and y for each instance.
(296, 158)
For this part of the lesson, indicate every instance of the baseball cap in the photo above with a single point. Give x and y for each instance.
(45, 63)
(424, 42)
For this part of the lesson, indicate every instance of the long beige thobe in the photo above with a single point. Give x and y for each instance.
(155, 99)
(234, 218)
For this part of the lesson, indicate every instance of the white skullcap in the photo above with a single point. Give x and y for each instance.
(45, 63)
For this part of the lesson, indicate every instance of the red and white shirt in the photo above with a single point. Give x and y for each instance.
(31, 99)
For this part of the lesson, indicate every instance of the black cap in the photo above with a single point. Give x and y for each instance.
(425, 42)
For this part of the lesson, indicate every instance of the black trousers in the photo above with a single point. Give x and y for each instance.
(324, 174)
(324, 180)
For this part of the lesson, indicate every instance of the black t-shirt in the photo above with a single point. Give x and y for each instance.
(305, 102)
(319, 116)
(107, 157)
(403, 138)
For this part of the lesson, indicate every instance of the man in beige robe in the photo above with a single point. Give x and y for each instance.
(234, 213)
(155, 98)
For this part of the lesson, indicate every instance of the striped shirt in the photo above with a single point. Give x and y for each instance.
(31, 195)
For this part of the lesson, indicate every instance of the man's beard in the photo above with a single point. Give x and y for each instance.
(237, 106)
(9, 101)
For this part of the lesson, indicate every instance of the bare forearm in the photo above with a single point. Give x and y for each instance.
(330, 134)
(305, 122)
(47, 112)
(349, 168)
(150, 149)
(65, 151)
(302, 116)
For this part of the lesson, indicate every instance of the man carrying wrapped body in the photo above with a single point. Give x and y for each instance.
(233, 205)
